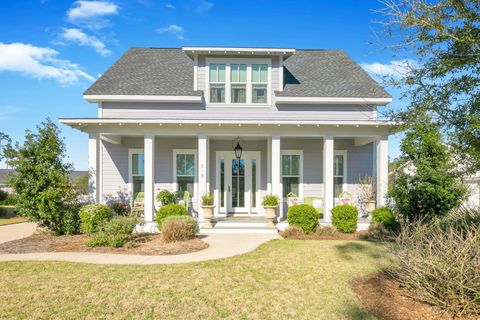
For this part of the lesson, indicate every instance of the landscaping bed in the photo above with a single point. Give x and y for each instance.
(384, 298)
(145, 244)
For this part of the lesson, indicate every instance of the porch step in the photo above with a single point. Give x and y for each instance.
(238, 230)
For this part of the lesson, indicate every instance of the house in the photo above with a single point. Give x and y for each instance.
(170, 118)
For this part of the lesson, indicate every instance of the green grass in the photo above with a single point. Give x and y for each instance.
(10, 217)
(288, 279)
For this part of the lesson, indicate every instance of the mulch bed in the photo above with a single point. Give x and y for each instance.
(146, 244)
(384, 298)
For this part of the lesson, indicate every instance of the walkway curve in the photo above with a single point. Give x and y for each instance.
(16, 231)
(220, 246)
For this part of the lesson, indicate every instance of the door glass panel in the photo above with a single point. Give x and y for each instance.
(238, 183)
(254, 183)
(222, 183)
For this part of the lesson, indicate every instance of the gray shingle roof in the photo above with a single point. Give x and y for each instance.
(148, 71)
(327, 73)
(167, 71)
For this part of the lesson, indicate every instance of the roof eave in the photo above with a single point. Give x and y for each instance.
(331, 100)
(95, 98)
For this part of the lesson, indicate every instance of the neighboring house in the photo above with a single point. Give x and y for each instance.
(5, 173)
(306, 121)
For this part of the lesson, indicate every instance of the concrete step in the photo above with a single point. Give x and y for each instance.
(238, 230)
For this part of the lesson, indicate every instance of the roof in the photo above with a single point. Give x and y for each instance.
(4, 174)
(169, 72)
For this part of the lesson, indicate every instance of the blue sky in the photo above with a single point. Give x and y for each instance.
(52, 50)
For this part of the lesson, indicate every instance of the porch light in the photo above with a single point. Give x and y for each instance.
(238, 151)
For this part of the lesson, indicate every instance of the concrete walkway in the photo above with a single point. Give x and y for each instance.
(16, 231)
(220, 246)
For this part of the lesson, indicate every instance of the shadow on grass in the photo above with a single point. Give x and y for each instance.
(356, 312)
(347, 249)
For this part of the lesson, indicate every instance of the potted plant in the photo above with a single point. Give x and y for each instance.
(270, 205)
(166, 197)
(207, 208)
(367, 193)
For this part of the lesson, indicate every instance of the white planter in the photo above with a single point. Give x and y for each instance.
(370, 206)
(270, 215)
(208, 215)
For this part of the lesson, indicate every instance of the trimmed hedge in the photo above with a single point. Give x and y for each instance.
(178, 228)
(93, 216)
(345, 218)
(385, 217)
(304, 216)
(170, 210)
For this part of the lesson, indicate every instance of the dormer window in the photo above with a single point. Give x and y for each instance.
(238, 80)
(259, 83)
(217, 83)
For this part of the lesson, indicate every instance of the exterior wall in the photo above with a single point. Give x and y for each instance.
(201, 112)
(473, 192)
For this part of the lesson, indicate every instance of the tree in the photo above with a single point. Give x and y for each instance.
(427, 185)
(4, 141)
(41, 180)
(443, 39)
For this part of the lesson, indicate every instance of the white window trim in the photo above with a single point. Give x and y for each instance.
(131, 152)
(345, 184)
(228, 84)
(174, 176)
(300, 183)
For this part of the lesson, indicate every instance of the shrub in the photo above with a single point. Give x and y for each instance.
(114, 233)
(385, 217)
(104, 240)
(93, 216)
(166, 197)
(3, 211)
(304, 216)
(270, 200)
(57, 213)
(292, 232)
(345, 218)
(3, 196)
(378, 232)
(326, 231)
(178, 228)
(207, 199)
(170, 210)
(10, 200)
(119, 225)
(120, 208)
(441, 263)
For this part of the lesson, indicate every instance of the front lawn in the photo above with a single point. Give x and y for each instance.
(10, 217)
(288, 279)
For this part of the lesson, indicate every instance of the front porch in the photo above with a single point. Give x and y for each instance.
(312, 161)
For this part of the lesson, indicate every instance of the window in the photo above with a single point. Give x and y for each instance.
(339, 173)
(238, 80)
(259, 83)
(137, 173)
(217, 83)
(291, 173)
(185, 172)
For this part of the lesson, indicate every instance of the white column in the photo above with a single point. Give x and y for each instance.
(381, 147)
(202, 171)
(269, 165)
(149, 153)
(94, 167)
(276, 185)
(328, 158)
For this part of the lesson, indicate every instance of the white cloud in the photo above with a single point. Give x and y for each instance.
(203, 6)
(39, 63)
(91, 13)
(174, 30)
(396, 68)
(83, 39)
(169, 6)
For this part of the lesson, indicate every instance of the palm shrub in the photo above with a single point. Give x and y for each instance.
(207, 199)
(178, 228)
(93, 216)
(172, 209)
(385, 217)
(345, 218)
(166, 197)
(304, 216)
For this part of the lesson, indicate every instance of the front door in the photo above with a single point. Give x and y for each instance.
(238, 181)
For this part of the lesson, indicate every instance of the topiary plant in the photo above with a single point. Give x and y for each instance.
(170, 210)
(166, 197)
(385, 217)
(93, 216)
(345, 218)
(304, 216)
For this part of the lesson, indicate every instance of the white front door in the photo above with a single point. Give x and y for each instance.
(238, 182)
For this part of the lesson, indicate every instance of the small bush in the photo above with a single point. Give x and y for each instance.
(170, 210)
(326, 231)
(120, 208)
(3, 211)
(385, 217)
(270, 200)
(207, 199)
(10, 200)
(104, 240)
(292, 232)
(304, 216)
(166, 197)
(119, 225)
(3, 196)
(178, 228)
(93, 216)
(114, 233)
(345, 218)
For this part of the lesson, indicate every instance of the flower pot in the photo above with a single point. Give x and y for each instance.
(208, 215)
(370, 206)
(270, 215)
